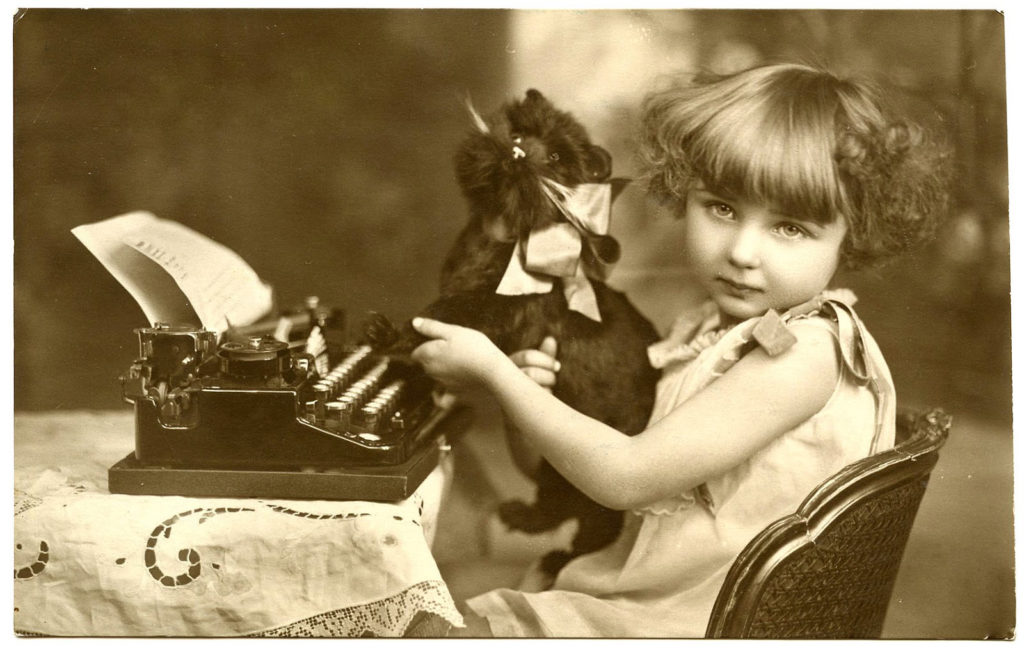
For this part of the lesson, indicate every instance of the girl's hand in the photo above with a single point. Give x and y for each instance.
(460, 358)
(540, 364)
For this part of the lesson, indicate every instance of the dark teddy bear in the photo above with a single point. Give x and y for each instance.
(501, 168)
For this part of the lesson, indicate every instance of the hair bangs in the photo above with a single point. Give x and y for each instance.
(775, 150)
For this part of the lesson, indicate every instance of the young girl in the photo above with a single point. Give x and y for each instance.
(781, 174)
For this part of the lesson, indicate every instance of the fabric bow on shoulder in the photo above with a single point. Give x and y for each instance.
(555, 250)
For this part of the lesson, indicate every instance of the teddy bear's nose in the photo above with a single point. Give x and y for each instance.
(517, 151)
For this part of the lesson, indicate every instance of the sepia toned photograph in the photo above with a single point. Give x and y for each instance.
(512, 323)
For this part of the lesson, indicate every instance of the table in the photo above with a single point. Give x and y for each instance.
(91, 563)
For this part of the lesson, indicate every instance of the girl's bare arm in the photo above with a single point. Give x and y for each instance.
(758, 399)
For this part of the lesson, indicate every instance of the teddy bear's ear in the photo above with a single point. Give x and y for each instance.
(534, 95)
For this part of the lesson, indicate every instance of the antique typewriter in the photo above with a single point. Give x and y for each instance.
(266, 411)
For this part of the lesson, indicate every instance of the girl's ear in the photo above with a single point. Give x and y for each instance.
(847, 263)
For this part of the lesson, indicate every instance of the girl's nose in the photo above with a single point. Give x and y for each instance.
(745, 251)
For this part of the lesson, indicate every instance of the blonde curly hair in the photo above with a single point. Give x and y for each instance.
(813, 145)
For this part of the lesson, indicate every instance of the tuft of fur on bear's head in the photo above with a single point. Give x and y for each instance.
(499, 168)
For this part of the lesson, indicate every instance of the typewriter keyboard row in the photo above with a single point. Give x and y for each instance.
(359, 395)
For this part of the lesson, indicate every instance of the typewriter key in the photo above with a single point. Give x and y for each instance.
(310, 407)
(353, 399)
(322, 391)
(341, 411)
(370, 416)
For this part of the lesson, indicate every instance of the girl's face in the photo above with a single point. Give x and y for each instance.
(751, 258)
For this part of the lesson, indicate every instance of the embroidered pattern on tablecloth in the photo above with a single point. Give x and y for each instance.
(170, 563)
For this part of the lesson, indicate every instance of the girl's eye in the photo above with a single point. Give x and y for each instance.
(723, 211)
(790, 230)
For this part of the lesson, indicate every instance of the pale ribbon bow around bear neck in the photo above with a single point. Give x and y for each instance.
(554, 250)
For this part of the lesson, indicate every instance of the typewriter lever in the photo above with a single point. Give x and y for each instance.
(171, 359)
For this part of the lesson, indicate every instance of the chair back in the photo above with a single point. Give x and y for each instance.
(828, 570)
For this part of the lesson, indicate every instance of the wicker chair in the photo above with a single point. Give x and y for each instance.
(828, 570)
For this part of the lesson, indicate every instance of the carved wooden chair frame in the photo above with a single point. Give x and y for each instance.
(828, 570)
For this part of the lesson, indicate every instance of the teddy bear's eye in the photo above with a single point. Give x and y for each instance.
(554, 156)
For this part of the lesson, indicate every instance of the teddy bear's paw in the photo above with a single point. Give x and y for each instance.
(379, 332)
(520, 516)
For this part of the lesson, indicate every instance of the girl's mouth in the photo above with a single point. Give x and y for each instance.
(737, 288)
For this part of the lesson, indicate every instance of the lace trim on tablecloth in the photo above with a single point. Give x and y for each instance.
(24, 501)
(389, 617)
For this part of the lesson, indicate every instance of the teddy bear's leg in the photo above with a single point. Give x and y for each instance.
(595, 532)
(556, 501)
(528, 518)
(553, 561)
(597, 529)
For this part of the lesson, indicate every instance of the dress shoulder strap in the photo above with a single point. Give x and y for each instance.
(862, 361)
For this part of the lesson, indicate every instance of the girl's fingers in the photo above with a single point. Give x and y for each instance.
(428, 351)
(535, 358)
(432, 328)
(422, 353)
(444, 398)
(549, 346)
(540, 376)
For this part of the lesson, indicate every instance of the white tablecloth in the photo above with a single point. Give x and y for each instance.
(90, 563)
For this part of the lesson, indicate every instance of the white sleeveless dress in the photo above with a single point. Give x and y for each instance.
(661, 576)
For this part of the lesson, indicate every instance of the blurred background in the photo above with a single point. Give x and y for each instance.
(317, 145)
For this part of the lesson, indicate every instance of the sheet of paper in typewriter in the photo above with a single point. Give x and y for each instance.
(176, 274)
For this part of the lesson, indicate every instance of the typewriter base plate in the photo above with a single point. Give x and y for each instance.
(364, 483)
